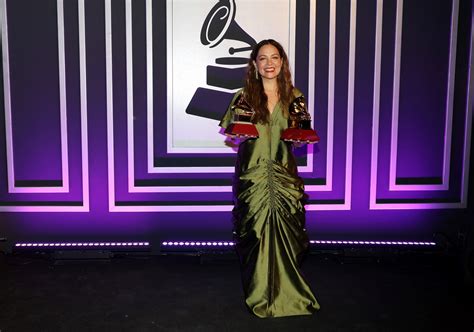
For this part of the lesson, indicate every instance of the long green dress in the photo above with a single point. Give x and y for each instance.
(269, 221)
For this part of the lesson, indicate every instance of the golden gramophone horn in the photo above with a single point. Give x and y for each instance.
(220, 24)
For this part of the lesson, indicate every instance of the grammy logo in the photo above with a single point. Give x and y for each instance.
(228, 72)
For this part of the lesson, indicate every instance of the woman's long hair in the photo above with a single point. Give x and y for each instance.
(254, 92)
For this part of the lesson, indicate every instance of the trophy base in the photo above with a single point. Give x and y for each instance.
(246, 129)
(300, 135)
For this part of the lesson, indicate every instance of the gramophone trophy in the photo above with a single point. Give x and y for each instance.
(228, 72)
(242, 123)
(299, 124)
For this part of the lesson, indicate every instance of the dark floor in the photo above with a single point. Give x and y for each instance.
(189, 293)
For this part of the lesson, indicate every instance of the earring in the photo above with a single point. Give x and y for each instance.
(256, 74)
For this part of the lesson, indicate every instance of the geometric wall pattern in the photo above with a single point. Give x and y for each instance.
(420, 147)
(45, 111)
(411, 87)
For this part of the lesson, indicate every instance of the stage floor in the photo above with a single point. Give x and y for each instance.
(188, 293)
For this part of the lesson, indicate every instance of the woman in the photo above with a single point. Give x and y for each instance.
(269, 216)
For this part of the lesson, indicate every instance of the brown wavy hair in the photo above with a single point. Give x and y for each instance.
(254, 92)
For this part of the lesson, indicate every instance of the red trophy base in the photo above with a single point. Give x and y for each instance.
(300, 135)
(246, 129)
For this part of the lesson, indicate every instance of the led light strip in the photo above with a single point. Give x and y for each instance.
(391, 243)
(82, 244)
(197, 244)
(204, 244)
(317, 242)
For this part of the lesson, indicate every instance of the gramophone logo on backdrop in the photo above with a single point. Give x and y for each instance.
(208, 48)
(220, 24)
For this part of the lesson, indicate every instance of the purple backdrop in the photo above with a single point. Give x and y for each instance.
(392, 99)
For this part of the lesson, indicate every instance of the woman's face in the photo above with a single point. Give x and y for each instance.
(268, 62)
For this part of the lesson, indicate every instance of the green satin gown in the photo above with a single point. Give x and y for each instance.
(269, 221)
